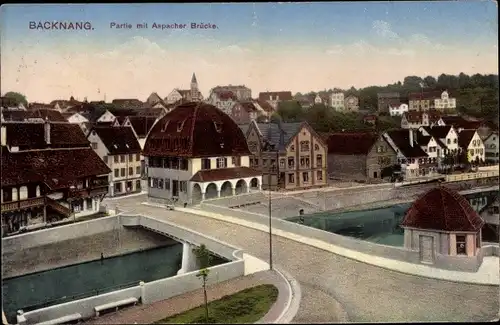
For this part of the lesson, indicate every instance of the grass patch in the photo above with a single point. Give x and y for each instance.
(246, 306)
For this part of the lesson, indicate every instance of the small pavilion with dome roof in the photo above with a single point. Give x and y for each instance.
(445, 230)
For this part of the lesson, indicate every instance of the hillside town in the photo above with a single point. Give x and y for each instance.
(118, 148)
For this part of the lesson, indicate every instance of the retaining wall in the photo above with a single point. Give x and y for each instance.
(391, 252)
(74, 244)
(153, 291)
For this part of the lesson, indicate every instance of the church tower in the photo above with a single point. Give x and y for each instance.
(194, 89)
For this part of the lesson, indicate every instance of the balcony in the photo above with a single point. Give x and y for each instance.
(23, 204)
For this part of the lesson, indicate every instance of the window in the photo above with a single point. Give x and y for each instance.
(105, 159)
(316, 147)
(115, 159)
(461, 247)
(167, 184)
(160, 183)
(138, 185)
(264, 162)
(319, 175)
(122, 158)
(319, 161)
(130, 157)
(183, 186)
(138, 170)
(205, 163)
(221, 162)
(304, 145)
(137, 157)
(305, 177)
(155, 183)
(236, 161)
(282, 163)
(455, 140)
(117, 172)
(291, 162)
(471, 152)
(122, 172)
(252, 146)
(130, 171)
(292, 148)
(448, 141)
(94, 145)
(291, 178)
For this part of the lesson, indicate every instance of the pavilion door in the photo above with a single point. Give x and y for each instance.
(175, 188)
(426, 244)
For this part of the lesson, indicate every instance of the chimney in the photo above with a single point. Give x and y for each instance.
(411, 136)
(47, 130)
(4, 135)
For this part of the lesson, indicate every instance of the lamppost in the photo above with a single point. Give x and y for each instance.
(270, 208)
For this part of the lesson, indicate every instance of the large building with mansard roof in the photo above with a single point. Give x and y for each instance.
(196, 152)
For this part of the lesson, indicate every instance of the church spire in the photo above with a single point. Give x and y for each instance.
(193, 79)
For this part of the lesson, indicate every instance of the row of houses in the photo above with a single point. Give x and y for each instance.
(396, 105)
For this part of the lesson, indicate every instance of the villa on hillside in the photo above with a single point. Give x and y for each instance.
(195, 153)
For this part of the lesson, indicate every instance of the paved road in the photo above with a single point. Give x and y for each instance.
(368, 293)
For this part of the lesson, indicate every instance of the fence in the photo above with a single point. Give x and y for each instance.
(471, 176)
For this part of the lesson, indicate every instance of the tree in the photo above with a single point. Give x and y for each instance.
(203, 256)
(17, 97)
(430, 81)
(291, 111)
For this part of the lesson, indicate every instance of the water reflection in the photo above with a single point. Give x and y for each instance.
(380, 225)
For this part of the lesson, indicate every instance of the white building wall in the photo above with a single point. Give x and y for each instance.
(173, 97)
(106, 117)
(476, 148)
(491, 148)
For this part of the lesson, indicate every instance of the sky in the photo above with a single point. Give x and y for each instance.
(298, 47)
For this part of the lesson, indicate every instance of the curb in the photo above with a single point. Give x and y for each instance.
(293, 303)
(253, 225)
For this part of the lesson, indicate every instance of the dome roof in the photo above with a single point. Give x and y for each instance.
(442, 209)
(196, 130)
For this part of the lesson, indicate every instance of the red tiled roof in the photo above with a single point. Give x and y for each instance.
(283, 95)
(196, 130)
(213, 175)
(265, 105)
(442, 209)
(118, 139)
(142, 124)
(127, 103)
(465, 137)
(347, 143)
(32, 135)
(401, 139)
(58, 168)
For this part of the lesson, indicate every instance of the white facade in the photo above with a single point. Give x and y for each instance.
(445, 102)
(176, 184)
(398, 110)
(317, 99)
(475, 149)
(451, 139)
(77, 118)
(225, 105)
(125, 176)
(107, 117)
(173, 97)
(337, 101)
(491, 148)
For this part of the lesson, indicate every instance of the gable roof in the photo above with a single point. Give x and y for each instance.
(118, 139)
(401, 139)
(58, 168)
(31, 135)
(465, 137)
(438, 131)
(142, 124)
(351, 143)
(278, 135)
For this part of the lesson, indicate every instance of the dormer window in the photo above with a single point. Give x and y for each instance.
(180, 125)
(218, 127)
(164, 128)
